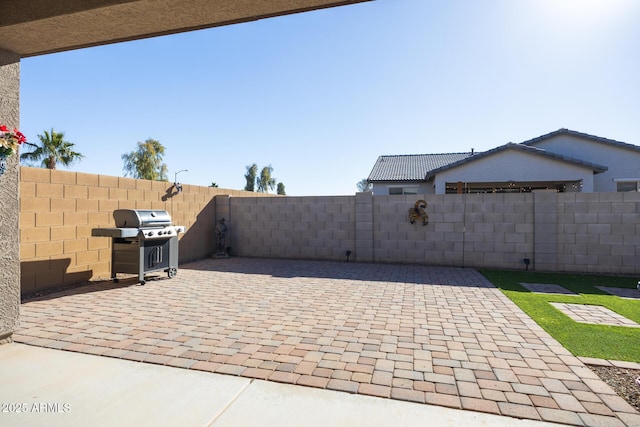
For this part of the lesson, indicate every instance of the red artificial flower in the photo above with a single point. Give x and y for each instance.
(20, 135)
(3, 128)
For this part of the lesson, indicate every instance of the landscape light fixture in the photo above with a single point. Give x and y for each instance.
(526, 261)
(176, 184)
(348, 254)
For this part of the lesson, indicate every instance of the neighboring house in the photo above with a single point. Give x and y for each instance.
(561, 161)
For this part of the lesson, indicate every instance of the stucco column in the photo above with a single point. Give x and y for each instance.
(9, 201)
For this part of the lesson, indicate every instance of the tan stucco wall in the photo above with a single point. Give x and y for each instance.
(9, 206)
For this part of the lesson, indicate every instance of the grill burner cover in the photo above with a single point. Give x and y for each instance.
(140, 218)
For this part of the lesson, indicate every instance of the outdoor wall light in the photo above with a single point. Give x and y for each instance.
(176, 184)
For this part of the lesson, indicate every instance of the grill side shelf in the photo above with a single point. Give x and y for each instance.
(115, 232)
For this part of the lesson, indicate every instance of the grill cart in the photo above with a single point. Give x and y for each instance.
(143, 241)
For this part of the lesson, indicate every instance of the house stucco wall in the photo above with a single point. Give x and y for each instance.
(382, 188)
(9, 200)
(621, 162)
(512, 165)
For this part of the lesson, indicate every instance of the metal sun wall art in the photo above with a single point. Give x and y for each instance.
(417, 213)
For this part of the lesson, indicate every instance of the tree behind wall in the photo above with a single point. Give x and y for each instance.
(363, 185)
(53, 150)
(146, 161)
(250, 176)
(266, 181)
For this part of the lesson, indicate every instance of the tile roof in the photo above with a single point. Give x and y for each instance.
(411, 167)
(421, 167)
(577, 134)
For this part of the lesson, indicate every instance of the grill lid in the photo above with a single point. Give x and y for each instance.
(140, 218)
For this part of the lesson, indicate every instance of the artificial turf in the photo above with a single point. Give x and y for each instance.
(581, 339)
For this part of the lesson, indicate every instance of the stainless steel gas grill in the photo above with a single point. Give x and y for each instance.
(143, 241)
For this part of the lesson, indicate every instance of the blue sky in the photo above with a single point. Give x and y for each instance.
(320, 95)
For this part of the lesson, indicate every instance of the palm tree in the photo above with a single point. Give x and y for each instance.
(53, 149)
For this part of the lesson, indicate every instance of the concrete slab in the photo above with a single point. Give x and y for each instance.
(44, 387)
(621, 292)
(272, 404)
(547, 288)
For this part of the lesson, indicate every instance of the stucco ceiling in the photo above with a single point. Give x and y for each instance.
(36, 27)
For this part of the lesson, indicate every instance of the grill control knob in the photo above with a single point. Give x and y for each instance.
(150, 233)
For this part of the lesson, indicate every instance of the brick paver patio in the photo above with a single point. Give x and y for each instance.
(442, 336)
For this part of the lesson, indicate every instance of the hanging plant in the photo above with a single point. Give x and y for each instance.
(9, 142)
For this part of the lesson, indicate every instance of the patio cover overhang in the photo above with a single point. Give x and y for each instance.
(37, 27)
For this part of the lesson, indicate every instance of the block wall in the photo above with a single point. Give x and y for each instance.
(292, 227)
(474, 230)
(58, 210)
(598, 233)
(572, 232)
(498, 230)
